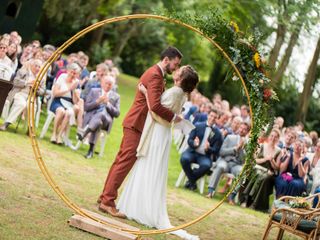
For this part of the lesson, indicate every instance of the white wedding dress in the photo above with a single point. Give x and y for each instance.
(144, 196)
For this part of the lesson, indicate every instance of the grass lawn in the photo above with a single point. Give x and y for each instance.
(30, 209)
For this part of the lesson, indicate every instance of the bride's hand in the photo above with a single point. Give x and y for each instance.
(142, 88)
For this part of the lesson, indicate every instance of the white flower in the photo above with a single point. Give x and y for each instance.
(235, 78)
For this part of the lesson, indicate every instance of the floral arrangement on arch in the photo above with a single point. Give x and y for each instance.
(243, 51)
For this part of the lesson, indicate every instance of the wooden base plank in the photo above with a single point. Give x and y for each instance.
(100, 229)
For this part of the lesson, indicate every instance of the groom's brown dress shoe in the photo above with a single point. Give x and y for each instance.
(111, 210)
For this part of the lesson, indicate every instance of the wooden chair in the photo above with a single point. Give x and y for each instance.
(302, 222)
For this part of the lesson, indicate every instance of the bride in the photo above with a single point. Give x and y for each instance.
(144, 196)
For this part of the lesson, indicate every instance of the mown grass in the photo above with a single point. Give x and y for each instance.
(30, 209)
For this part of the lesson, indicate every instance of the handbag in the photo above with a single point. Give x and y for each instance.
(286, 176)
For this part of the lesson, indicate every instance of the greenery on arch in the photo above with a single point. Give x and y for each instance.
(242, 49)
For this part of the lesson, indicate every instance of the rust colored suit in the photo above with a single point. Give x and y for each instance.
(133, 124)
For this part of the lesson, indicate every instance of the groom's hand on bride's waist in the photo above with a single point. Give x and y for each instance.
(177, 119)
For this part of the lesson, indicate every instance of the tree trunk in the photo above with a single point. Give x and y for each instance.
(281, 32)
(285, 60)
(97, 36)
(127, 34)
(304, 98)
(129, 30)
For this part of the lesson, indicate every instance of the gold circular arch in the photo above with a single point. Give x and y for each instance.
(34, 141)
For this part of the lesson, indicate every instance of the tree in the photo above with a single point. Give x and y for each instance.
(308, 85)
(283, 17)
(300, 18)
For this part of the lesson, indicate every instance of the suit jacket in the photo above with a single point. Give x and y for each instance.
(153, 80)
(228, 150)
(91, 107)
(215, 139)
(199, 117)
(23, 75)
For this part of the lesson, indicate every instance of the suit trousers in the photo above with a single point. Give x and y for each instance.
(223, 167)
(18, 106)
(98, 121)
(120, 168)
(190, 156)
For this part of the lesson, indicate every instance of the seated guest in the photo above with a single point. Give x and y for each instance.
(6, 65)
(315, 172)
(234, 126)
(196, 115)
(101, 106)
(65, 95)
(101, 71)
(265, 166)
(222, 123)
(204, 141)
(290, 136)
(13, 55)
(314, 139)
(83, 61)
(48, 50)
(231, 157)
(233, 129)
(279, 121)
(293, 170)
(245, 114)
(22, 84)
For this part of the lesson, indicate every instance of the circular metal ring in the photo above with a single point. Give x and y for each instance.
(34, 141)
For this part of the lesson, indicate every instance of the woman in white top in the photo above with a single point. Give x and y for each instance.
(144, 196)
(65, 94)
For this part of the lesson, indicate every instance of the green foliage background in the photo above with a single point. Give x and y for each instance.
(141, 41)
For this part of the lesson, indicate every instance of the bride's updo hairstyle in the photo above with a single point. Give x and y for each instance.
(189, 79)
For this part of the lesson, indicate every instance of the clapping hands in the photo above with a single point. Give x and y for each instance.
(103, 99)
(73, 85)
(196, 142)
(142, 88)
(31, 82)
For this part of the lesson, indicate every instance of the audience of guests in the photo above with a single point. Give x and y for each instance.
(92, 100)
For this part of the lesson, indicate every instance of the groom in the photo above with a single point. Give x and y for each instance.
(153, 80)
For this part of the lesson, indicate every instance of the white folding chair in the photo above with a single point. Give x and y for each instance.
(50, 117)
(47, 123)
(182, 179)
(103, 140)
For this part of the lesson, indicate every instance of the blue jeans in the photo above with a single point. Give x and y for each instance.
(316, 199)
(190, 156)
